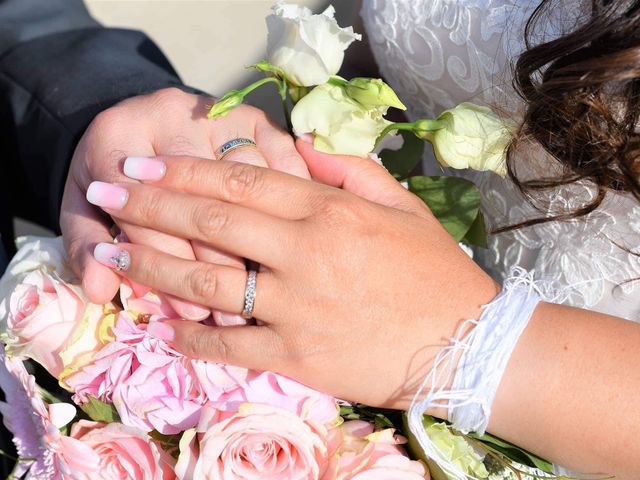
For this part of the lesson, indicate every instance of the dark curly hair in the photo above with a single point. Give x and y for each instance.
(582, 93)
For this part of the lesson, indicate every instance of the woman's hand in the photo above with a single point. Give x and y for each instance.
(356, 298)
(167, 122)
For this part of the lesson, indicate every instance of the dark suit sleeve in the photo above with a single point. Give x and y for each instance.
(58, 69)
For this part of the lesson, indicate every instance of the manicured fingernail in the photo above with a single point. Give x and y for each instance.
(161, 330)
(307, 137)
(225, 319)
(107, 195)
(194, 312)
(144, 168)
(112, 256)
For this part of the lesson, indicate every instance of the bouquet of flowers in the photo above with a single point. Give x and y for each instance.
(137, 409)
(131, 407)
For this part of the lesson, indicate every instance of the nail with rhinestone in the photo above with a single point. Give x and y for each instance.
(112, 256)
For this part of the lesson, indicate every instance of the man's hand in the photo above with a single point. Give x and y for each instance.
(167, 122)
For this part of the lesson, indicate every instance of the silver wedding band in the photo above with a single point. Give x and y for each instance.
(250, 295)
(233, 144)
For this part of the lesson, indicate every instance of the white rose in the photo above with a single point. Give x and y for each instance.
(471, 137)
(34, 253)
(309, 48)
(340, 124)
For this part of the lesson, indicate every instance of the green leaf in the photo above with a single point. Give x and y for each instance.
(514, 452)
(99, 411)
(378, 416)
(401, 162)
(477, 234)
(455, 202)
(169, 443)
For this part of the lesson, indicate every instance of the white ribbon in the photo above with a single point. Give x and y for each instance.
(484, 347)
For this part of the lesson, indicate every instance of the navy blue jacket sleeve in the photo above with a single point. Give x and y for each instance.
(58, 69)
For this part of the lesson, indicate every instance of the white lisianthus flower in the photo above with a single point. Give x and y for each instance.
(471, 137)
(455, 449)
(340, 124)
(309, 48)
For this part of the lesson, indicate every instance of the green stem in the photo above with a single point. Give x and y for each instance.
(415, 127)
(250, 88)
(16, 461)
(49, 397)
(282, 90)
(11, 457)
(285, 106)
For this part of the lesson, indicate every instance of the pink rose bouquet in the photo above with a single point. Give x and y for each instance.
(137, 409)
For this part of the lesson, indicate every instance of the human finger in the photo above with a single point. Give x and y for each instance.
(100, 157)
(360, 176)
(233, 228)
(215, 286)
(253, 347)
(189, 135)
(267, 190)
(83, 226)
(279, 149)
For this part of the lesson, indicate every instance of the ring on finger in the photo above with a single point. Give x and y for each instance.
(250, 295)
(232, 145)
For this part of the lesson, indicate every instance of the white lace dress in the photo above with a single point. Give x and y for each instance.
(438, 53)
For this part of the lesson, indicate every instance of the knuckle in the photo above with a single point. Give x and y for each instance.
(202, 283)
(221, 348)
(153, 269)
(107, 121)
(181, 145)
(210, 220)
(189, 174)
(195, 346)
(169, 98)
(212, 345)
(240, 181)
(335, 208)
(149, 206)
(76, 247)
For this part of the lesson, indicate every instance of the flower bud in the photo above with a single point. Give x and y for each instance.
(471, 136)
(296, 93)
(373, 92)
(227, 103)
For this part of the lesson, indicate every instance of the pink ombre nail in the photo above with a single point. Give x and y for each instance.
(191, 311)
(107, 195)
(112, 256)
(225, 319)
(306, 137)
(161, 330)
(144, 168)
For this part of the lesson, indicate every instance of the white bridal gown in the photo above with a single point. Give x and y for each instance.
(438, 53)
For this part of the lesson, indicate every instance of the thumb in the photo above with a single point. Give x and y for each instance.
(361, 176)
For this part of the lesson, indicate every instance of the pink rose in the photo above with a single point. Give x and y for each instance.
(152, 386)
(282, 392)
(124, 452)
(259, 442)
(359, 453)
(43, 313)
(141, 300)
